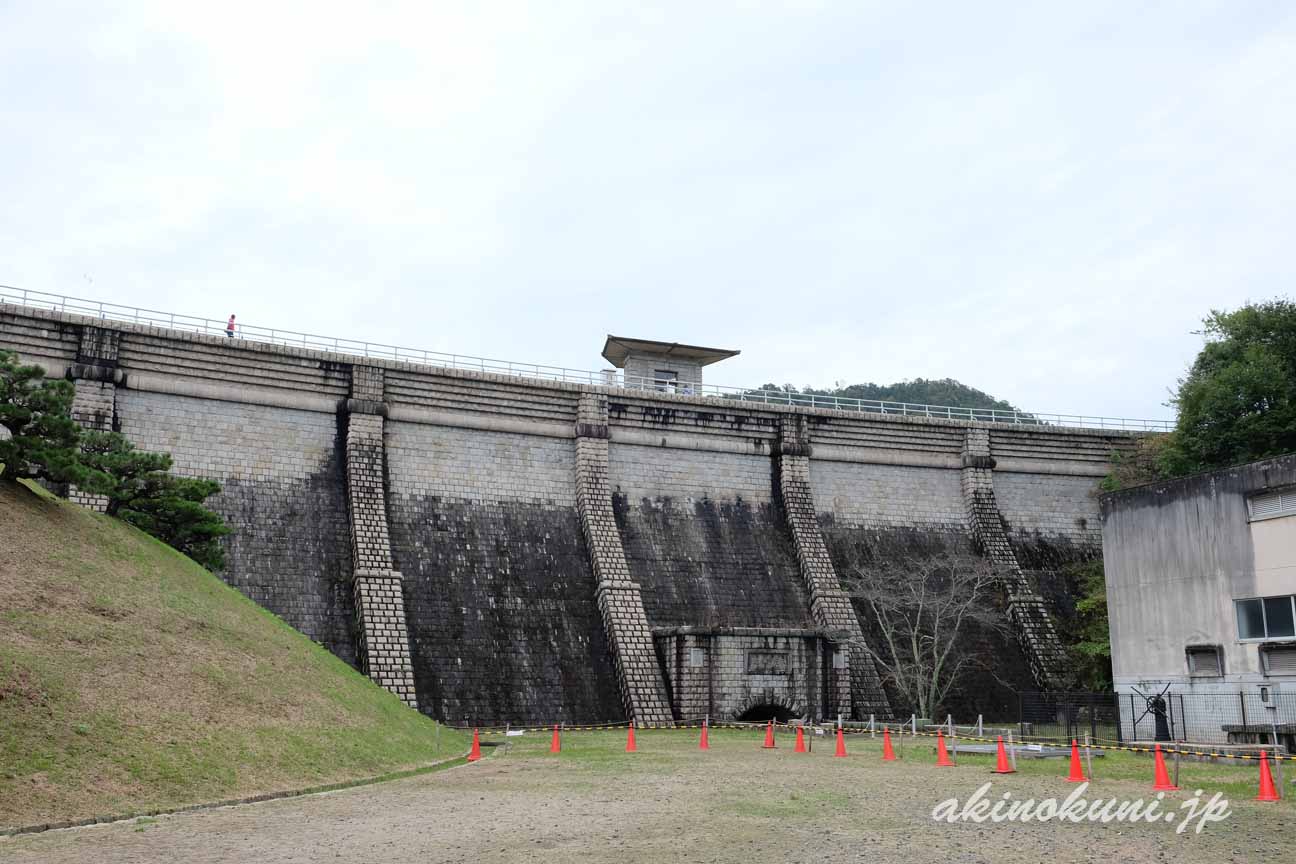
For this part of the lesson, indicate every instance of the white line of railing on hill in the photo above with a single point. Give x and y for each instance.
(606, 377)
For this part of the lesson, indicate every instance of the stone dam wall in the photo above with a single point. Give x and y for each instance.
(500, 549)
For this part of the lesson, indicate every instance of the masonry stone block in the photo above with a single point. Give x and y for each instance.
(1028, 615)
(861, 692)
(533, 535)
(383, 649)
(621, 604)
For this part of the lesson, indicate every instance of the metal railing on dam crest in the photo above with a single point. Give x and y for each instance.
(602, 377)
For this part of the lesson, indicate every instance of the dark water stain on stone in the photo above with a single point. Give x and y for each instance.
(502, 615)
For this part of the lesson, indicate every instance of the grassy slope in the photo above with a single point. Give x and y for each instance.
(131, 678)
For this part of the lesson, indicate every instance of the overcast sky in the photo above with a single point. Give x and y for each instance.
(1040, 200)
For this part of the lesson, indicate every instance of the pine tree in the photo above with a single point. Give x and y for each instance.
(42, 439)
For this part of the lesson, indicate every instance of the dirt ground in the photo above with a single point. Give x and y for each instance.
(668, 803)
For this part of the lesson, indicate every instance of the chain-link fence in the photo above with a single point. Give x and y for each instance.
(1250, 716)
(1244, 717)
(1067, 715)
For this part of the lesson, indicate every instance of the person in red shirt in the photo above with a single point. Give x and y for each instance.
(229, 328)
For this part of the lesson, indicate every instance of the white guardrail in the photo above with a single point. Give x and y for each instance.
(606, 377)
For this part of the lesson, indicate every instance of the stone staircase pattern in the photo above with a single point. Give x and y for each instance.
(643, 689)
(863, 693)
(383, 648)
(1028, 616)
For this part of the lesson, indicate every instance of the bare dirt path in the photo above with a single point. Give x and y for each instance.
(667, 803)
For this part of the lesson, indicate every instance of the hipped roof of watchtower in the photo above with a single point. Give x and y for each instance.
(617, 349)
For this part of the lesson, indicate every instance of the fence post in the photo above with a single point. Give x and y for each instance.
(980, 728)
(1242, 702)
(913, 725)
(1088, 758)
(1278, 751)
(872, 726)
(1012, 751)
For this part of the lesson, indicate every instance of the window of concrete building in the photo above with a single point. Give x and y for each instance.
(1250, 619)
(697, 658)
(1204, 661)
(1278, 618)
(666, 380)
(1267, 617)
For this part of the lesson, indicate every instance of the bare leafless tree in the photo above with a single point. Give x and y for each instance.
(923, 610)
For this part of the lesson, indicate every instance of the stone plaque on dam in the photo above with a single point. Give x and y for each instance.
(498, 549)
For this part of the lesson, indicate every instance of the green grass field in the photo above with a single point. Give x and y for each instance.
(735, 803)
(603, 751)
(131, 679)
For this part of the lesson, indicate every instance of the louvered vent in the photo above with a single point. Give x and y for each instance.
(1204, 662)
(1280, 661)
(1271, 504)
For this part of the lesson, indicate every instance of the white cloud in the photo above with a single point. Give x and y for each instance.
(1042, 202)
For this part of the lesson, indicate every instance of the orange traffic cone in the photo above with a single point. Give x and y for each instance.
(475, 753)
(630, 742)
(1077, 774)
(841, 743)
(800, 742)
(703, 743)
(888, 752)
(1001, 764)
(1162, 783)
(555, 746)
(1267, 790)
(943, 759)
(769, 736)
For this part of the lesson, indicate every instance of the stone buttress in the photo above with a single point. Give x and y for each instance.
(643, 690)
(829, 604)
(95, 377)
(1027, 613)
(383, 648)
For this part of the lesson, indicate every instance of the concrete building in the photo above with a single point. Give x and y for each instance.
(668, 367)
(1201, 593)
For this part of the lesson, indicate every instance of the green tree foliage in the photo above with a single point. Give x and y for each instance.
(118, 471)
(41, 440)
(1087, 635)
(920, 391)
(171, 509)
(1141, 464)
(923, 391)
(142, 492)
(1238, 401)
